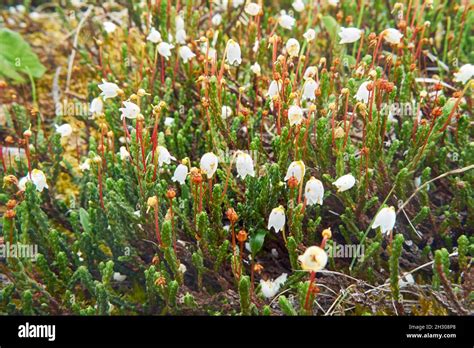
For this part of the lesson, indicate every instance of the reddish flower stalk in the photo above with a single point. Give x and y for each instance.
(171, 194)
(3, 159)
(162, 70)
(310, 290)
(142, 145)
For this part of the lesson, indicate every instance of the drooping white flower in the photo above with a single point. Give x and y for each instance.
(124, 154)
(226, 111)
(209, 163)
(86, 165)
(109, 89)
(109, 27)
(464, 74)
(37, 178)
(182, 268)
(180, 174)
(274, 88)
(286, 21)
(295, 115)
(406, 279)
(363, 93)
(310, 72)
(131, 110)
(309, 89)
(314, 192)
(164, 49)
(179, 22)
(181, 36)
(298, 5)
(186, 54)
(271, 287)
(164, 156)
(96, 106)
(244, 164)
(385, 219)
(252, 9)
(169, 121)
(277, 219)
(392, 36)
(293, 47)
(154, 36)
(296, 169)
(233, 53)
(310, 35)
(216, 19)
(313, 259)
(65, 129)
(256, 69)
(118, 277)
(344, 183)
(349, 35)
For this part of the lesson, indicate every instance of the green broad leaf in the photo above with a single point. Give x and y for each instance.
(17, 57)
(85, 222)
(256, 241)
(331, 26)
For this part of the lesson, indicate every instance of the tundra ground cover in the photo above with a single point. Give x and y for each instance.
(237, 158)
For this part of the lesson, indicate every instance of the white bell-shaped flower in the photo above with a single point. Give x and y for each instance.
(124, 154)
(277, 219)
(164, 49)
(274, 88)
(208, 164)
(349, 35)
(363, 93)
(226, 111)
(181, 36)
(310, 35)
(109, 27)
(131, 110)
(298, 5)
(244, 164)
(271, 287)
(286, 21)
(256, 69)
(180, 174)
(344, 183)
(392, 36)
(314, 192)
(464, 74)
(296, 169)
(293, 47)
(313, 259)
(310, 72)
(186, 54)
(65, 129)
(309, 89)
(154, 36)
(164, 156)
(216, 19)
(109, 89)
(118, 277)
(96, 106)
(37, 178)
(252, 9)
(86, 165)
(385, 219)
(233, 55)
(295, 115)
